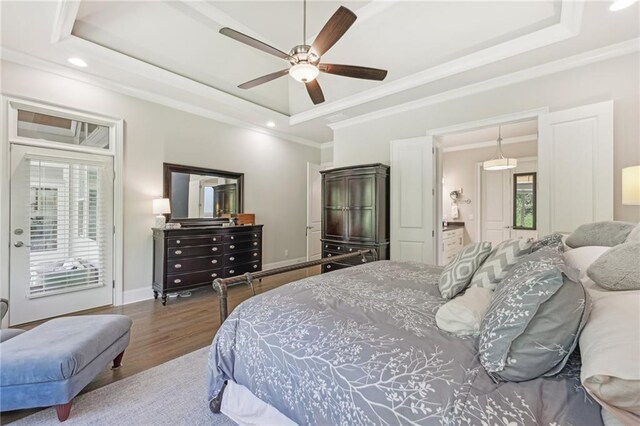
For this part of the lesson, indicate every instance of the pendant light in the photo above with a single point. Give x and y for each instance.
(499, 161)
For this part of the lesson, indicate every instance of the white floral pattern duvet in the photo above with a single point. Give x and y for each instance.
(361, 346)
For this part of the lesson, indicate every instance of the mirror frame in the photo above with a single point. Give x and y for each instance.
(169, 168)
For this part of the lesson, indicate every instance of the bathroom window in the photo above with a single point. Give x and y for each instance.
(524, 201)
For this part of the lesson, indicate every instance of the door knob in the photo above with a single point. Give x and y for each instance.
(21, 244)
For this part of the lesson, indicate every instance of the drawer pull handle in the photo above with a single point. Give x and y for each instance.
(328, 266)
(255, 235)
(232, 258)
(350, 249)
(215, 239)
(178, 266)
(255, 254)
(177, 241)
(231, 271)
(177, 281)
(178, 251)
(232, 237)
(326, 246)
(214, 261)
(214, 249)
(329, 255)
(255, 266)
(214, 275)
(232, 246)
(255, 243)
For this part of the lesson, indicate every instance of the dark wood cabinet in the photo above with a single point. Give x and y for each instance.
(355, 206)
(192, 257)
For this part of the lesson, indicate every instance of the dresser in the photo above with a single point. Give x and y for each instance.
(452, 243)
(355, 213)
(192, 257)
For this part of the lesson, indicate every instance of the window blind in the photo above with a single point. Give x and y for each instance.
(68, 235)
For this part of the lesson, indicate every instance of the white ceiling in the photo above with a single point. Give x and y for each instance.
(171, 52)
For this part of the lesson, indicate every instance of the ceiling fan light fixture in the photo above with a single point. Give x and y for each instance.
(304, 73)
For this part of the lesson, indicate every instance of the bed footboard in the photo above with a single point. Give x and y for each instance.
(220, 285)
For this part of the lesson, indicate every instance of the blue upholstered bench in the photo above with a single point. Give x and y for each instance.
(50, 364)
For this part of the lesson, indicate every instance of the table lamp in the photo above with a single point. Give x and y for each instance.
(631, 186)
(161, 206)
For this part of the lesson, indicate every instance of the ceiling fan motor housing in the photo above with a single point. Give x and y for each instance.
(301, 54)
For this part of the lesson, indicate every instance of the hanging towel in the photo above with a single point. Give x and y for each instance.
(454, 211)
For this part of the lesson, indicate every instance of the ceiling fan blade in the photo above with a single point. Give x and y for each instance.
(354, 71)
(250, 41)
(264, 79)
(335, 28)
(315, 92)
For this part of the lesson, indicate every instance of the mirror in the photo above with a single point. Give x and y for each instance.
(524, 201)
(203, 195)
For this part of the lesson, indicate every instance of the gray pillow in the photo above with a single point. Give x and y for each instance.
(634, 235)
(534, 320)
(501, 259)
(554, 239)
(458, 273)
(609, 233)
(618, 268)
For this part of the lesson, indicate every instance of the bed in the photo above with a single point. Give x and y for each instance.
(361, 346)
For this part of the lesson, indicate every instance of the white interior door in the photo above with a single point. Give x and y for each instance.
(575, 167)
(412, 200)
(496, 206)
(314, 211)
(61, 256)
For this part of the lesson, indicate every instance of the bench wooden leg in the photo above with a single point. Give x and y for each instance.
(63, 411)
(117, 361)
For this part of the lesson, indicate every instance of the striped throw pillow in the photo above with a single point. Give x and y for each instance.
(501, 259)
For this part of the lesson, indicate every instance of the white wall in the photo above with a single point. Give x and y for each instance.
(459, 171)
(275, 169)
(326, 154)
(616, 79)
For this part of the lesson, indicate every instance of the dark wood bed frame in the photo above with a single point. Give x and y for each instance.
(220, 285)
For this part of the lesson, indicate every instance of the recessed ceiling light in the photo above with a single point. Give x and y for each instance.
(271, 124)
(78, 62)
(621, 4)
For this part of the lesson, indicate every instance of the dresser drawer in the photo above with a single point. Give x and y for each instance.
(193, 264)
(176, 281)
(241, 246)
(192, 251)
(328, 267)
(243, 257)
(193, 241)
(237, 238)
(232, 271)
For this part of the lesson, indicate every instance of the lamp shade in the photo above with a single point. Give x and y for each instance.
(631, 186)
(500, 164)
(161, 206)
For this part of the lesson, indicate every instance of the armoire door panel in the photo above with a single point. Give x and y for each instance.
(360, 225)
(334, 226)
(361, 191)
(335, 193)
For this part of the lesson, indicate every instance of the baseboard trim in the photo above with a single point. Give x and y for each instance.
(140, 294)
(137, 295)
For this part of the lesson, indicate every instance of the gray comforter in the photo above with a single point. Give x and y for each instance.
(361, 346)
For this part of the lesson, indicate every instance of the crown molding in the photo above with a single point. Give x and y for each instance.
(66, 14)
(485, 144)
(569, 25)
(564, 64)
(53, 68)
(326, 145)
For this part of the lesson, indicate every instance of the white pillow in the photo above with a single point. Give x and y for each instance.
(582, 257)
(463, 315)
(610, 350)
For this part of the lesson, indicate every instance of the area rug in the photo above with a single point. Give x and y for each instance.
(173, 393)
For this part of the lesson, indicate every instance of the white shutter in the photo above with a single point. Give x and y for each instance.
(69, 221)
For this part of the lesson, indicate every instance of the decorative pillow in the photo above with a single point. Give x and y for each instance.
(554, 239)
(609, 233)
(610, 350)
(618, 268)
(463, 315)
(458, 273)
(582, 257)
(634, 235)
(501, 259)
(534, 320)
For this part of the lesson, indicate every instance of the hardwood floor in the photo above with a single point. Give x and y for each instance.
(162, 333)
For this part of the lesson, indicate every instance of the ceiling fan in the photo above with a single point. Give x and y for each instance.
(305, 59)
